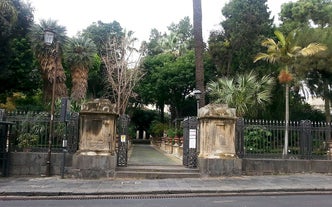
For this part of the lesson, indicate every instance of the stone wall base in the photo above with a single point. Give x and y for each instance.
(93, 166)
(220, 167)
(34, 163)
(273, 166)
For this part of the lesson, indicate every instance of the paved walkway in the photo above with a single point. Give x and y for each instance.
(54, 186)
(143, 154)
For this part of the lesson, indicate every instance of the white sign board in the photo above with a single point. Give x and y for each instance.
(192, 138)
(123, 138)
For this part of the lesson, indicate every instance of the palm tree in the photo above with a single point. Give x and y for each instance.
(285, 52)
(199, 47)
(50, 56)
(8, 12)
(80, 54)
(245, 92)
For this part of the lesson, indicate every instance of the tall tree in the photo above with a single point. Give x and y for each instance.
(8, 12)
(317, 71)
(285, 52)
(199, 49)
(314, 18)
(121, 60)
(80, 55)
(16, 58)
(153, 45)
(305, 13)
(246, 24)
(50, 56)
(168, 79)
(101, 33)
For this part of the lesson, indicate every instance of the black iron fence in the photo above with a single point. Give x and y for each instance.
(265, 139)
(30, 131)
(254, 138)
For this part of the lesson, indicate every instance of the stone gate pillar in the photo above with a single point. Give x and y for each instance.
(96, 156)
(217, 155)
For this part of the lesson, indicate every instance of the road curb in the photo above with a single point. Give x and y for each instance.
(158, 194)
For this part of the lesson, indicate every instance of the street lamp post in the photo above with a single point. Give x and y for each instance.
(48, 39)
(197, 94)
(194, 152)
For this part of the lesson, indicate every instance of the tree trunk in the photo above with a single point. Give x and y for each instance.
(327, 111)
(197, 6)
(286, 120)
(79, 77)
(327, 103)
(162, 113)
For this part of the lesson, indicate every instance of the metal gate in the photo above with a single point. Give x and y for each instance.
(5, 129)
(190, 142)
(122, 155)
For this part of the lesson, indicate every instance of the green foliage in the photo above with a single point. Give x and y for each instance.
(158, 128)
(178, 41)
(101, 32)
(33, 101)
(80, 52)
(257, 139)
(29, 130)
(80, 55)
(171, 132)
(246, 92)
(246, 24)
(143, 119)
(95, 79)
(8, 13)
(305, 13)
(16, 60)
(26, 140)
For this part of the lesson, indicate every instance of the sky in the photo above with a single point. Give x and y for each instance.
(139, 16)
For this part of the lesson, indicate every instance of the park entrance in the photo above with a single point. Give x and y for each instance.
(152, 160)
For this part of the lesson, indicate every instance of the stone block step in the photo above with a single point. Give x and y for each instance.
(155, 175)
(156, 172)
(159, 168)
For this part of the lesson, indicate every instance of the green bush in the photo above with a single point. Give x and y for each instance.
(27, 140)
(256, 139)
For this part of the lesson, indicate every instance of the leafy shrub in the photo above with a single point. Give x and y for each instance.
(257, 139)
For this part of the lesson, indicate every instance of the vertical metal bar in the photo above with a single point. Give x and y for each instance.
(185, 141)
(64, 146)
(240, 137)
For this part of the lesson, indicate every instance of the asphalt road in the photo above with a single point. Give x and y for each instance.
(223, 201)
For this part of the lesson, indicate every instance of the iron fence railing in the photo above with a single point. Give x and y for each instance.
(30, 131)
(265, 139)
(254, 138)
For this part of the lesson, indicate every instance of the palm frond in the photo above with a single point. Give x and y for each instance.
(269, 43)
(281, 38)
(312, 49)
(271, 58)
(294, 50)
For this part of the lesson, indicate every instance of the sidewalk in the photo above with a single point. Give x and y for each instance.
(54, 186)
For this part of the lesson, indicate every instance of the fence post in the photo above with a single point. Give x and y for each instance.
(305, 139)
(239, 137)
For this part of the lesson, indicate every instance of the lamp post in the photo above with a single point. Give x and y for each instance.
(48, 39)
(197, 94)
